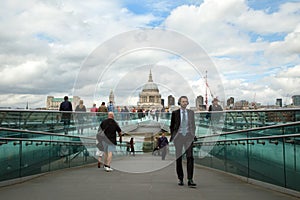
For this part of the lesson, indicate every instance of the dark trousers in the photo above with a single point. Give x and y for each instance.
(66, 125)
(185, 143)
(132, 151)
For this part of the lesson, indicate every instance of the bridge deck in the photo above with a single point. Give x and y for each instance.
(92, 183)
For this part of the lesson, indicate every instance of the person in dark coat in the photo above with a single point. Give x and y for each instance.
(140, 114)
(110, 127)
(66, 107)
(163, 145)
(182, 129)
(131, 143)
(214, 116)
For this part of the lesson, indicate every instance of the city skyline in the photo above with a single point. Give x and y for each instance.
(169, 102)
(254, 46)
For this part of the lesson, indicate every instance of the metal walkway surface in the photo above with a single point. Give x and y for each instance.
(92, 183)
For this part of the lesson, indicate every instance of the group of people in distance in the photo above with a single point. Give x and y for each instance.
(80, 117)
(182, 129)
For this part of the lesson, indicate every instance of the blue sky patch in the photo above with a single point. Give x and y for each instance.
(267, 37)
(269, 6)
(45, 37)
(158, 8)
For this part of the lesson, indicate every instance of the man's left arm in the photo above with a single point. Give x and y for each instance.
(119, 131)
(193, 126)
(120, 137)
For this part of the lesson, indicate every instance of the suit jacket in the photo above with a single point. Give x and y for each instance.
(175, 123)
(66, 106)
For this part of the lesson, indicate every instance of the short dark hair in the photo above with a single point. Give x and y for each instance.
(103, 103)
(66, 98)
(182, 97)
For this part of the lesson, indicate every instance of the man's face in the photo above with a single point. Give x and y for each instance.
(183, 102)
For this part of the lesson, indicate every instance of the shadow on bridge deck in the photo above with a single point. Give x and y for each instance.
(92, 183)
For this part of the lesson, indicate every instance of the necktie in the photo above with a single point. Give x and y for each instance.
(183, 123)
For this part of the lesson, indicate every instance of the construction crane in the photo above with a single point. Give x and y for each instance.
(207, 87)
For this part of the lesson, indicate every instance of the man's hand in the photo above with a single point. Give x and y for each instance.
(171, 139)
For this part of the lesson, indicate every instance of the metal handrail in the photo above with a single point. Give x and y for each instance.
(48, 141)
(257, 110)
(250, 139)
(42, 133)
(238, 140)
(3, 140)
(252, 129)
(245, 111)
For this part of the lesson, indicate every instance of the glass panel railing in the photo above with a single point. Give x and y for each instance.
(269, 154)
(229, 120)
(10, 160)
(292, 161)
(31, 152)
(266, 162)
(248, 153)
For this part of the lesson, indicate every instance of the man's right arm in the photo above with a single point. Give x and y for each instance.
(70, 106)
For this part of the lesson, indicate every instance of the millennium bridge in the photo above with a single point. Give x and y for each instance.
(246, 155)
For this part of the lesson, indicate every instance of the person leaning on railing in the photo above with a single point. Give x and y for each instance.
(80, 116)
(214, 117)
(102, 112)
(66, 116)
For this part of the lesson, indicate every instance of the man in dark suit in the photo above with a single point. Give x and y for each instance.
(183, 133)
(66, 105)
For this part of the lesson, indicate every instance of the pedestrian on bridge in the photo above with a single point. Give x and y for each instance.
(93, 111)
(131, 143)
(102, 112)
(182, 129)
(110, 127)
(214, 116)
(66, 107)
(163, 145)
(80, 116)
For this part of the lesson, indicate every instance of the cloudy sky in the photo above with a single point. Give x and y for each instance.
(70, 47)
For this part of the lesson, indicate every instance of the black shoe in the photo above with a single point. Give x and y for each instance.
(191, 183)
(180, 182)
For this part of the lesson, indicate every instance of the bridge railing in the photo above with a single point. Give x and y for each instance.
(269, 154)
(34, 141)
(24, 152)
(229, 120)
(52, 121)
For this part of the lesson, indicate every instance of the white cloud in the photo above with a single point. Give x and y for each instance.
(44, 43)
(258, 21)
(225, 28)
(286, 51)
(267, 90)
